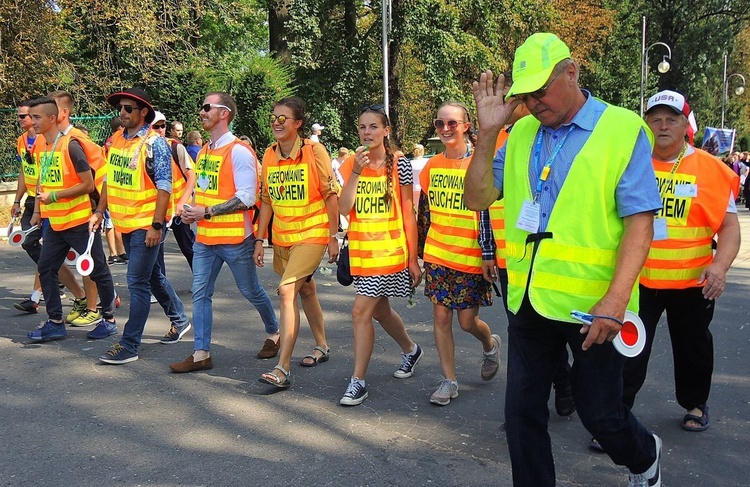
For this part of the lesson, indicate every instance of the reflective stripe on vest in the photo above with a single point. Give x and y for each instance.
(29, 168)
(65, 213)
(293, 186)
(215, 185)
(573, 269)
(452, 240)
(678, 261)
(377, 241)
(131, 194)
(497, 219)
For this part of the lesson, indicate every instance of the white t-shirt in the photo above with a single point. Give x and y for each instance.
(416, 168)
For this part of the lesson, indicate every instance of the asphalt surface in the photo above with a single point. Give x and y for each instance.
(67, 420)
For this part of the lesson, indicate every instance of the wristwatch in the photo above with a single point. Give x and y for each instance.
(157, 225)
(206, 215)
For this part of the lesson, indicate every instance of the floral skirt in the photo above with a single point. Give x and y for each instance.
(456, 289)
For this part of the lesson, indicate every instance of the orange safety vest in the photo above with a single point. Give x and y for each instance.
(377, 240)
(131, 194)
(57, 172)
(452, 240)
(94, 154)
(293, 185)
(179, 180)
(28, 167)
(214, 184)
(497, 213)
(678, 261)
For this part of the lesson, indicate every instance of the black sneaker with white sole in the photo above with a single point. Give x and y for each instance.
(355, 394)
(408, 362)
(175, 333)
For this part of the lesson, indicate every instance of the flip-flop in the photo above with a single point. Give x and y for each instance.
(273, 379)
(316, 360)
(702, 420)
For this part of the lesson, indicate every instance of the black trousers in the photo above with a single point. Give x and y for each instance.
(689, 315)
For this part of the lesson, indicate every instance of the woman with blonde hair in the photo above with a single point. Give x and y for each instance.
(377, 197)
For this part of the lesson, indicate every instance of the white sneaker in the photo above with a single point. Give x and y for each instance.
(652, 476)
(447, 390)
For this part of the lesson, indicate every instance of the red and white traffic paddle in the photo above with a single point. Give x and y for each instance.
(631, 339)
(84, 263)
(72, 257)
(18, 237)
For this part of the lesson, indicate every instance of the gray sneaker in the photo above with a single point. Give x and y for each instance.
(447, 390)
(491, 361)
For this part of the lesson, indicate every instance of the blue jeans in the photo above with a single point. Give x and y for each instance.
(535, 345)
(145, 277)
(207, 262)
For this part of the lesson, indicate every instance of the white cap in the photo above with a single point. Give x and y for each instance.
(671, 99)
(159, 117)
(317, 126)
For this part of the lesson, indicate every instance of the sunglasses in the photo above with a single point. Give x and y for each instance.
(127, 108)
(208, 106)
(541, 92)
(281, 119)
(451, 124)
(372, 108)
(160, 126)
(21, 116)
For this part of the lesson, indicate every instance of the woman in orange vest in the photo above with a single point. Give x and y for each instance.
(299, 189)
(377, 197)
(452, 254)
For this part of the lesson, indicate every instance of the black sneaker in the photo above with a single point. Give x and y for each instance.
(27, 305)
(118, 355)
(111, 260)
(117, 260)
(355, 393)
(564, 404)
(123, 257)
(175, 333)
(408, 362)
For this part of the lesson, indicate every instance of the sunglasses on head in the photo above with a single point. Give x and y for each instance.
(451, 124)
(372, 108)
(541, 92)
(127, 108)
(208, 106)
(280, 119)
(160, 126)
(21, 116)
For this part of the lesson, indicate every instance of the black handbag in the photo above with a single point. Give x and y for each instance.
(343, 271)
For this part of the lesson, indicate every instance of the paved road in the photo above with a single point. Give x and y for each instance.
(69, 421)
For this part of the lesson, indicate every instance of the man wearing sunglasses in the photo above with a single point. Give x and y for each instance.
(226, 188)
(183, 182)
(580, 195)
(138, 190)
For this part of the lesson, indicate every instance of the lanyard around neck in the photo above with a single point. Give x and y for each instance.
(544, 173)
(47, 158)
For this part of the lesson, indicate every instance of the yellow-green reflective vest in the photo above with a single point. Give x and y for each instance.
(573, 269)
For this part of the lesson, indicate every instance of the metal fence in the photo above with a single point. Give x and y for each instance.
(96, 125)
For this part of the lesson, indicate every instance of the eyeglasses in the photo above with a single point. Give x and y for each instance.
(372, 108)
(160, 126)
(208, 106)
(127, 108)
(451, 124)
(280, 119)
(541, 92)
(21, 116)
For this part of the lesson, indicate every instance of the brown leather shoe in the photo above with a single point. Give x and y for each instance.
(269, 350)
(188, 365)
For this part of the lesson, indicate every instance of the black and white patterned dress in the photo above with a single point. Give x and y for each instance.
(398, 284)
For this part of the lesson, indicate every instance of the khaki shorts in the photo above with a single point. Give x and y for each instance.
(297, 262)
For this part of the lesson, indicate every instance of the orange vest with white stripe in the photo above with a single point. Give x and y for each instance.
(29, 168)
(452, 240)
(678, 261)
(497, 213)
(57, 172)
(131, 194)
(299, 210)
(215, 185)
(377, 240)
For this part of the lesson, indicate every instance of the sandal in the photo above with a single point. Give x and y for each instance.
(273, 378)
(702, 420)
(316, 360)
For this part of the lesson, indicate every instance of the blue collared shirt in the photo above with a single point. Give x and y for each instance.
(636, 192)
(162, 158)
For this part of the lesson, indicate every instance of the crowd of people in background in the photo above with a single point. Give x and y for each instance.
(501, 202)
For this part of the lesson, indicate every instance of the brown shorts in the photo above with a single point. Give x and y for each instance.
(297, 262)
